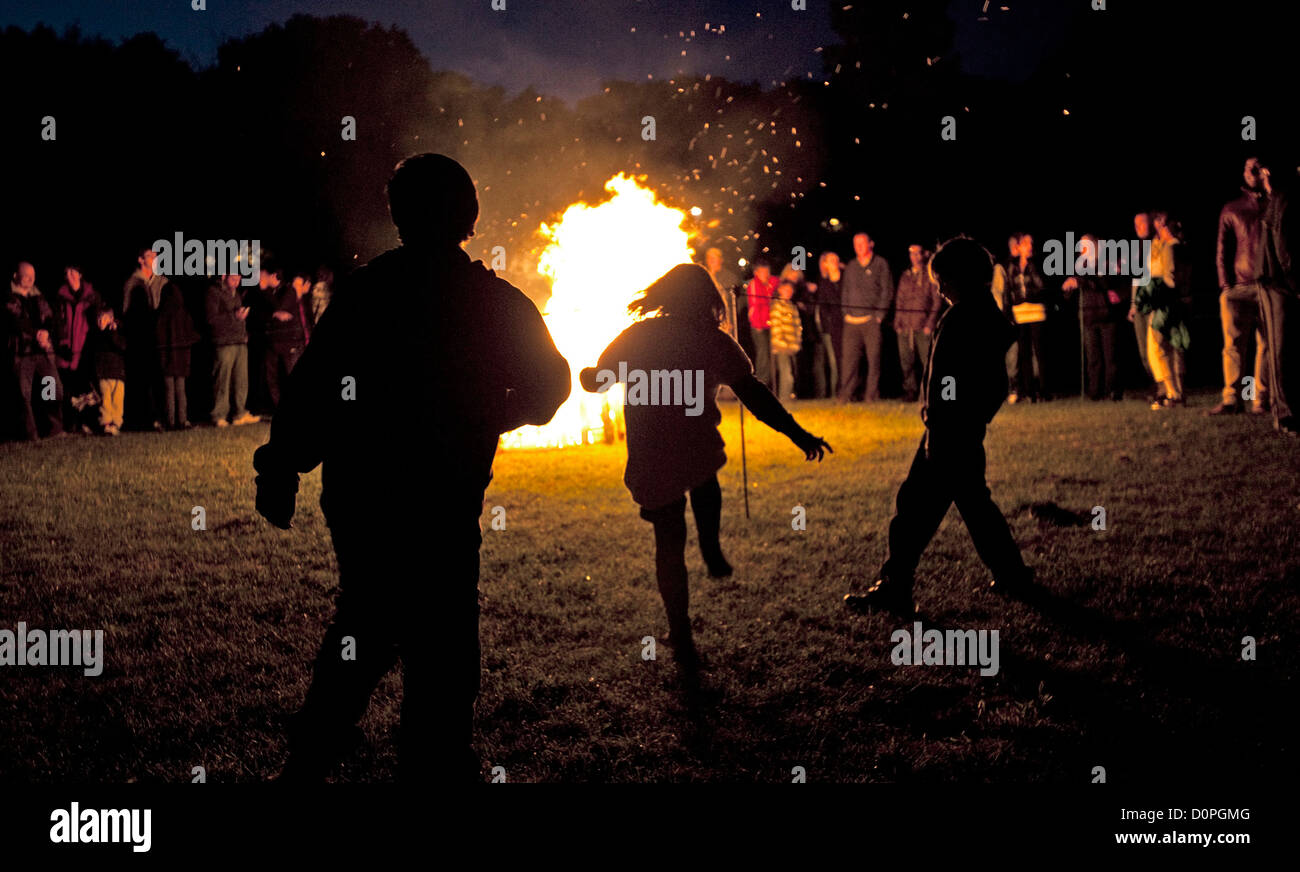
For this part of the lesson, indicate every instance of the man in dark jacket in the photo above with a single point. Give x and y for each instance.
(1099, 307)
(227, 315)
(402, 494)
(1239, 256)
(916, 311)
(1280, 290)
(286, 335)
(867, 293)
(30, 328)
(965, 388)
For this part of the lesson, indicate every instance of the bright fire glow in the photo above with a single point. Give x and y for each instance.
(599, 258)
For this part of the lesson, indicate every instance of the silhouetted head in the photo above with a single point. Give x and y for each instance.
(962, 268)
(72, 275)
(432, 200)
(170, 296)
(325, 274)
(685, 291)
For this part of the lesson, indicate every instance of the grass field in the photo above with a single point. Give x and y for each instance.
(1130, 659)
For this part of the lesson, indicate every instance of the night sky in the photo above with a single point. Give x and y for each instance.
(566, 48)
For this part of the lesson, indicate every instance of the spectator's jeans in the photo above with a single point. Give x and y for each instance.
(859, 339)
(1103, 365)
(1140, 320)
(229, 374)
(824, 359)
(1167, 364)
(280, 361)
(784, 374)
(1013, 367)
(913, 355)
(31, 371)
(174, 397)
(762, 354)
(112, 392)
(1276, 305)
(1239, 311)
(1033, 361)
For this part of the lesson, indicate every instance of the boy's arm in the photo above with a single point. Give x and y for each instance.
(540, 380)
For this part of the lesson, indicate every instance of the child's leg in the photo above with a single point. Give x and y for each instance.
(985, 521)
(670, 567)
(706, 504)
(922, 501)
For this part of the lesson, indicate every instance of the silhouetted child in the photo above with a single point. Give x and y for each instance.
(108, 349)
(964, 389)
(673, 443)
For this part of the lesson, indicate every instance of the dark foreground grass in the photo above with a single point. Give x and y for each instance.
(1130, 659)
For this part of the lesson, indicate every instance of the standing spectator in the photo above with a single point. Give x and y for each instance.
(321, 292)
(226, 318)
(1142, 227)
(1280, 289)
(726, 282)
(1028, 298)
(140, 299)
(809, 339)
(1099, 303)
(287, 331)
(867, 293)
(1239, 257)
(76, 305)
(31, 353)
(759, 294)
(787, 338)
(1159, 299)
(999, 288)
(108, 347)
(262, 301)
(830, 324)
(176, 337)
(916, 310)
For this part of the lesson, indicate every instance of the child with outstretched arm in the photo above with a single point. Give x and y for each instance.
(673, 364)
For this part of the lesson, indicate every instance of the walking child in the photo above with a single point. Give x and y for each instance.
(963, 391)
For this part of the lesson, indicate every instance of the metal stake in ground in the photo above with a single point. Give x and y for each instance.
(744, 466)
